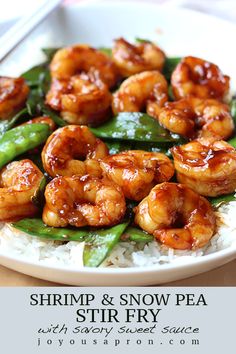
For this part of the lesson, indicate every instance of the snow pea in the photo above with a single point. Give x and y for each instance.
(218, 201)
(233, 109)
(34, 75)
(136, 235)
(49, 52)
(21, 139)
(38, 199)
(36, 106)
(117, 146)
(36, 227)
(99, 244)
(8, 124)
(134, 126)
(38, 78)
(142, 40)
(52, 114)
(232, 141)
(105, 50)
(169, 66)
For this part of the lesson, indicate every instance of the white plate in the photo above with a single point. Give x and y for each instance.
(180, 32)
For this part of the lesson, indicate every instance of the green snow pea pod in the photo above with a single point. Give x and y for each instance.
(99, 245)
(38, 199)
(36, 227)
(135, 126)
(105, 50)
(169, 66)
(142, 40)
(50, 52)
(34, 75)
(218, 201)
(233, 109)
(117, 146)
(9, 123)
(136, 235)
(55, 117)
(21, 139)
(233, 142)
(36, 106)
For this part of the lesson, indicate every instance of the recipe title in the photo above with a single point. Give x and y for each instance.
(137, 308)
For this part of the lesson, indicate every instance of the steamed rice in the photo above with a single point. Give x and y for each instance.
(125, 254)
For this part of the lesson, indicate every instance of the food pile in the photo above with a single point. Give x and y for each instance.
(103, 146)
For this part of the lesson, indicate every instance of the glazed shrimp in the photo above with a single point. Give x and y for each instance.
(73, 150)
(176, 216)
(206, 166)
(74, 60)
(13, 94)
(196, 118)
(133, 59)
(43, 120)
(19, 181)
(148, 90)
(137, 171)
(82, 201)
(81, 99)
(199, 78)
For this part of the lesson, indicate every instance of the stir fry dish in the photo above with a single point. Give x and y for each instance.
(106, 145)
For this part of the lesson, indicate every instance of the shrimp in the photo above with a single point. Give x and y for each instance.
(199, 78)
(137, 171)
(43, 120)
(82, 201)
(176, 216)
(73, 150)
(195, 118)
(73, 60)
(13, 94)
(147, 89)
(133, 59)
(81, 99)
(207, 166)
(19, 182)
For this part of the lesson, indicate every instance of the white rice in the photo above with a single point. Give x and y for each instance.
(125, 254)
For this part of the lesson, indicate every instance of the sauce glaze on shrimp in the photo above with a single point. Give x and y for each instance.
(200, 78)
(133, 59)
(195, 118)
(207, 166)
(76, 59)
(81, 78)
(137, 171)
(13, 94)
(73, 150)
(82, 201)
(19, 181)
(82, 99)
(176, 216)
(148, 89)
